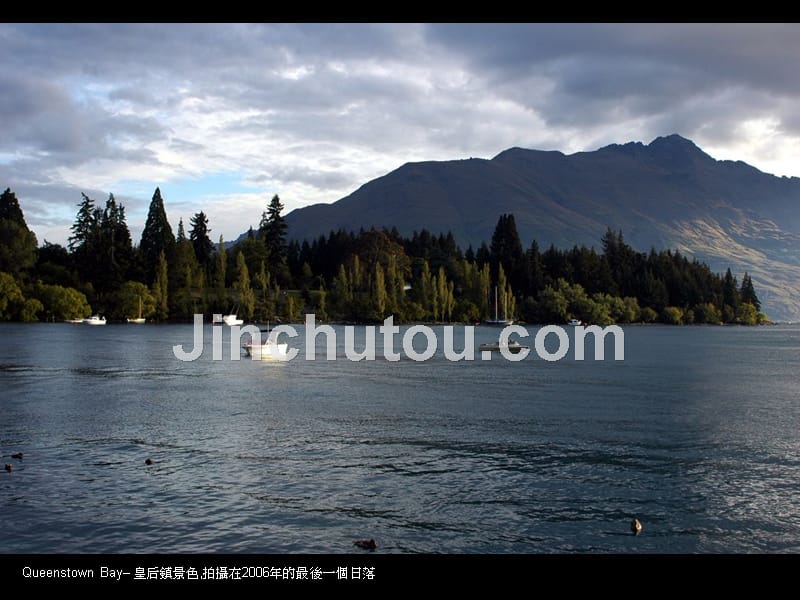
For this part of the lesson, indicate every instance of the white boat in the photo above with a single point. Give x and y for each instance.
(267, 350)
(575, 322)
(140, 319)
(512, 346)
(74, 321)
(498, 322)
(95, 320)
(231, 320)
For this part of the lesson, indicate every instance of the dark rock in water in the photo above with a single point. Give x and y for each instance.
(636, 526)
(366, 544)
(149, 461)
(18, 455)
(9, 467)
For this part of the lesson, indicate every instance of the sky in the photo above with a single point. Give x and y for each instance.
(222, 117)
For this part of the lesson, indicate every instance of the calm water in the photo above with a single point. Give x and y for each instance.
(696, 433)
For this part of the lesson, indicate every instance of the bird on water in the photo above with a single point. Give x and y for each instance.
(636, 526)
(366, 544)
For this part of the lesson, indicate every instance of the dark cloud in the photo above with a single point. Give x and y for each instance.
(321, 108)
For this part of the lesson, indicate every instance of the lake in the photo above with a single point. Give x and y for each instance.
(695, 433)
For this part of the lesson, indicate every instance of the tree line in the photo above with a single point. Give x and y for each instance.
(361, 276)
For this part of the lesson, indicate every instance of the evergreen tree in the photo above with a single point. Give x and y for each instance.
(17, 242)
(199, 234)
(730, 297)
(185, 277)
(157, 237)
(536, 276)
(112, 249)
(506, 250)
(181, 233)
(272, 230)
(747, 293)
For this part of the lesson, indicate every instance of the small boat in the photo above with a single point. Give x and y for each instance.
(140, 319)
(95, 320)
(74, 321)
(267, 349)
(231, 320)
(512, 346)
(574, 322)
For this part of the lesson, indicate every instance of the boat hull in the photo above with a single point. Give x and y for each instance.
(266, 351)
(496, 347)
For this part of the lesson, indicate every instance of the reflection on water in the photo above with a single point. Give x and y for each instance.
(695, 433)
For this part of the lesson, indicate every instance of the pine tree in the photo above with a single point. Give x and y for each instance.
(506, 250)
(185, 277)
(272, 229)
(199, 234)
(730, 297)
(84, 224)
(17, 242)
(157, 236)
(747, 293)
(113, 251)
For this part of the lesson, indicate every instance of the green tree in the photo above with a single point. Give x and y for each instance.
(157, 237)
(17, 242)
(199, 235)
(161, 287)
(672, 315)
(272, 230)
(220, 275)
(747, 314)
(379, 295)
(506, 251)
(247, 298)
(707, 312)
(84, 241)
(10, 297)
(60, 303)
(185, 277)
(292, 313)
(747, 293)
(730, 297)
(113, 250)
(129, 295)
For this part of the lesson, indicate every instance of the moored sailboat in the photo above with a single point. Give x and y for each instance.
(138, 320)
(497, 321)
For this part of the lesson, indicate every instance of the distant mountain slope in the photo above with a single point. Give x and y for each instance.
(667, 194)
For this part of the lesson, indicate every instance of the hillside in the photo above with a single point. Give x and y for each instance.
(668, 193)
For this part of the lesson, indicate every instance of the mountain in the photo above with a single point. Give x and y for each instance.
(666, 194)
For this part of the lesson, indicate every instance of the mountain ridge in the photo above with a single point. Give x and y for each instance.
(665, 194)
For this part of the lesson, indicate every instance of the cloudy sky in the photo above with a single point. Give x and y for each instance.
(223, 116)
